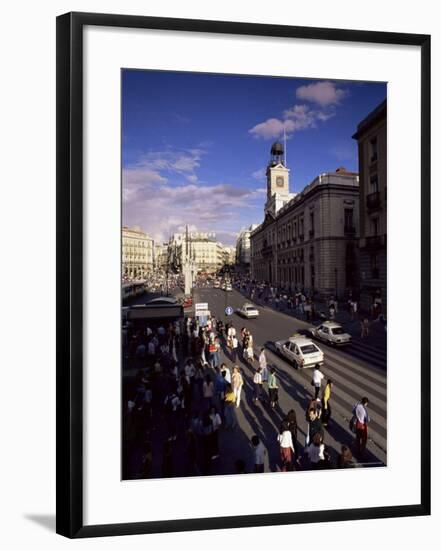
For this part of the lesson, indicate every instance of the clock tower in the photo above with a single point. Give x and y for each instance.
(277, 180)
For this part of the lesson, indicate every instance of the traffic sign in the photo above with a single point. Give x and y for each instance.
(203, 313)
(228, 310)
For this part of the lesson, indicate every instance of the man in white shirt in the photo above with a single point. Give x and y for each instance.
(317, 377)
(361, 427)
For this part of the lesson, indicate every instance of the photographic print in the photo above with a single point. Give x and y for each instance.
(254, 295)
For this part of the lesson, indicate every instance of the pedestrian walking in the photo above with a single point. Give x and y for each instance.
(226, 370)
(326, 407)
(263, 365)
(257, 380)
(259, 453)
(234, 346)
(364, 327)
(316, 452)
(314, 423)
(237, 383)
(317, 377)
(361, 425)
(291, 420)
(230, 408)
(286, 447)
(248, 349)
(273, 388)
(208, 392)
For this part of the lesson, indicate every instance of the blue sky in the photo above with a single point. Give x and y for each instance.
(195, 146)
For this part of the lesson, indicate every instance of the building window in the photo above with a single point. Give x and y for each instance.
(373, 150)
(374, 184)
(374, 226)
(311, 224)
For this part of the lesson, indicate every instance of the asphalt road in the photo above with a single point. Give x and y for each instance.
(353, 378)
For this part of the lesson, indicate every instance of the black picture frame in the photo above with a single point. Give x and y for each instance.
(69, 292)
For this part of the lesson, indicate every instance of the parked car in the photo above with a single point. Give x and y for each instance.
(300, 351)
(248, 310)
(332, 333)
(227, 287)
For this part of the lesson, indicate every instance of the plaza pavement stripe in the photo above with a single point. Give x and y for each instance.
(373, 373)
(342, 408)
(354, 385)
(339, 396)
(357, 379)
(380, 352)
(354, 381)
(372, 361)
(348, 399)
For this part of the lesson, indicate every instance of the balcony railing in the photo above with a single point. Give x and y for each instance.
(373, 200)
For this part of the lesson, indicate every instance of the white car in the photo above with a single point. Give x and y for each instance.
(228, 287)
(248, 310)
(300, 351)
(332, 333)
(216, 284)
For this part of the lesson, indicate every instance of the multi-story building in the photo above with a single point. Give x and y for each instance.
(243, 247)
(229, 255)
(203, 249)
(308, 240)
(371, 136)
(137, 253)
(160, 259)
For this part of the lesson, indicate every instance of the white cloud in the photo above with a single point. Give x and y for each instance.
(165, 209)
(323, 93)
(298, 117)
(271, 128)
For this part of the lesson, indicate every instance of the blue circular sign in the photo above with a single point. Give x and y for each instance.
(229, 310)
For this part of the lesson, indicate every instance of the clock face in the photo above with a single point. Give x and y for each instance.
(279, 181)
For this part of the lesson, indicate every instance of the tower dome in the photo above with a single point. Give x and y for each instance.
(277, 154)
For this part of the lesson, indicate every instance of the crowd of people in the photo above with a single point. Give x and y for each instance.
(189, 384)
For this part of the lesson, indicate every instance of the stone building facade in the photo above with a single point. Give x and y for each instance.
(204, 250)
(371, 136)
(311, 241)
(137, 253)
(243, 247)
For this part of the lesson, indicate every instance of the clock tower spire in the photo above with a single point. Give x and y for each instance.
(277, 180)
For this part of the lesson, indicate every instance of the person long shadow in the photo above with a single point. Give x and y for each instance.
(345, 438)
